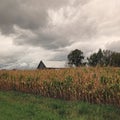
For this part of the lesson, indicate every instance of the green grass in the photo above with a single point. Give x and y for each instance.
(21, 106)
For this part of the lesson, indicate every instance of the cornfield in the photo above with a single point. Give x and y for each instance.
(94, 85)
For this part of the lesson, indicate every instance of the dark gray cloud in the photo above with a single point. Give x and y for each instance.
(20, 13)
(48, 40)
(34, 16)
(27, 14)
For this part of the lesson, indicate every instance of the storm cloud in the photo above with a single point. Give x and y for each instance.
(34, 30)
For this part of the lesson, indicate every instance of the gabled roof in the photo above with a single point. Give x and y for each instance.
(41, 65)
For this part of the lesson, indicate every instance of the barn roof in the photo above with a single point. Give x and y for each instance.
(41, 65)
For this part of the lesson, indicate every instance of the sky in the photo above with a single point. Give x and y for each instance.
(48, 30)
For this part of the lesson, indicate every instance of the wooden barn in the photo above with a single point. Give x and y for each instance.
(43, 66)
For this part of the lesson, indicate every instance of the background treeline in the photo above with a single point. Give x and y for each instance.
(101, 58)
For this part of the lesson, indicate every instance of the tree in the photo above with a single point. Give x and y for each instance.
(92, 60)
(75, 58)
(96, 58)
(115, 59)
(100, 57)
(104, 58)
(107, 57)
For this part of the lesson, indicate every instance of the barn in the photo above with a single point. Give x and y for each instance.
(43, 66)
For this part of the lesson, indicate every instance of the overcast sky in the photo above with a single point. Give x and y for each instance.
(34, 30)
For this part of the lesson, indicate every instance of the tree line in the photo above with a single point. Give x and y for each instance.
(101, 58)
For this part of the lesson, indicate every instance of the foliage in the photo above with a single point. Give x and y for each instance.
(92, 61)
(94, 85)
(115, 59)
(75, 58)
(104, 58)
